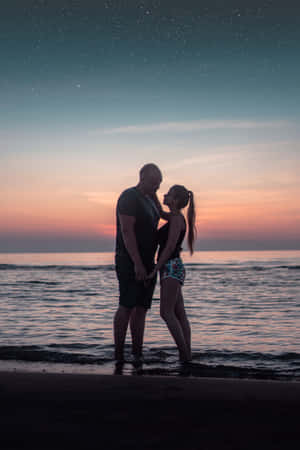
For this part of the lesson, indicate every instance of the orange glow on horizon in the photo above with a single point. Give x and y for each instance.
(231, 214)
(227, 222)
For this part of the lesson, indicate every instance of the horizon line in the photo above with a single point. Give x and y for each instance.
(184, 251)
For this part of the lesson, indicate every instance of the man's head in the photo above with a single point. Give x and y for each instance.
(150, 178)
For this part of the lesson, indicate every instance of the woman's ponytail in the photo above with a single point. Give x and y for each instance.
(191, 217)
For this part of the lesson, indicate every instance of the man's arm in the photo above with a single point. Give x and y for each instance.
(128, 233)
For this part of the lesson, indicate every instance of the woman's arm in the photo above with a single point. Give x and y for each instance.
(163, 214)
(175, 228)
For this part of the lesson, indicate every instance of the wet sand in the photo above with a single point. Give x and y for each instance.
(58, 411)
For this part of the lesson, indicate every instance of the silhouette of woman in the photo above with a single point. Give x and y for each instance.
(170, 265)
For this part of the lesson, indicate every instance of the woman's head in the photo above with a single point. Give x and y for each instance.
(179, 197)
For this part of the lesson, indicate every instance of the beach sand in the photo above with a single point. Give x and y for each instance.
(59, 411)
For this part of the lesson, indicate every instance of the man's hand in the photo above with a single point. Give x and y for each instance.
(152, 274)
(140, 272)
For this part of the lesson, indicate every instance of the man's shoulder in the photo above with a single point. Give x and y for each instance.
(129, 191)
(127, 202)
(127, 194)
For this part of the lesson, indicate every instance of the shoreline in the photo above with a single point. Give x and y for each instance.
(195, 370)
(152, 412)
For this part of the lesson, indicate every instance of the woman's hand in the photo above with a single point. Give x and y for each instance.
(140, 272)
(152, 274)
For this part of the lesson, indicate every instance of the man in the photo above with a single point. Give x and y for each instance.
(136, 243)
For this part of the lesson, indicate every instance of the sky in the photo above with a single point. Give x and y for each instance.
(92, 90)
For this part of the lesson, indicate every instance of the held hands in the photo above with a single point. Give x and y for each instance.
(152, 274)
(140, 272)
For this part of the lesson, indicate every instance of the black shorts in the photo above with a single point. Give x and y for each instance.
(132, 292)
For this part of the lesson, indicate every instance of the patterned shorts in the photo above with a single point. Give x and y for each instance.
(173, 268)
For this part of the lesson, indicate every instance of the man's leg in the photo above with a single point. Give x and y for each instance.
(137, 327)
(121, 320)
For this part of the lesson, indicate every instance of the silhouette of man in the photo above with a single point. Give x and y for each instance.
(136, 243)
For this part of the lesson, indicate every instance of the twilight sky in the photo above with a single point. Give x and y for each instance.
(92, 90)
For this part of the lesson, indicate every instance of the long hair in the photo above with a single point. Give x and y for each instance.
(184, 198)
(191, 216)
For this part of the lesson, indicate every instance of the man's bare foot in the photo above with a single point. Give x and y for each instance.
(137, 360)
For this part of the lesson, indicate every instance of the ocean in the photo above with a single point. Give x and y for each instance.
(56, 314)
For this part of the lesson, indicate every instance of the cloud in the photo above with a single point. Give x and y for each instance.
(228, 153)
(103, 198)
(194, 125)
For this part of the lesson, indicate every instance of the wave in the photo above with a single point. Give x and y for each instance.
(107, 267)
(253, 356)
(190, 266)
(228, 355)
(164, 360)
(36, 282)
(35, 353)
(296, 267)
(237, 268)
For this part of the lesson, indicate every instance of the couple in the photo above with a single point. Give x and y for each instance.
(138, 214)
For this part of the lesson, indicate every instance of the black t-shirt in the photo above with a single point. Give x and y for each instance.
(132, 203)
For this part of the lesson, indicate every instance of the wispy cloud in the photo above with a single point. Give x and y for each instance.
(227, 154)
(194, 125)
(103, 198)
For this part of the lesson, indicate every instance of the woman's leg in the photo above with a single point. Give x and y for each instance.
(183, 320)
(168, 300)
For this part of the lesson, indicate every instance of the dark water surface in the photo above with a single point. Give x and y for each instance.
(56, 313)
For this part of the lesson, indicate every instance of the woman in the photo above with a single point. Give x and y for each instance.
(171, 268)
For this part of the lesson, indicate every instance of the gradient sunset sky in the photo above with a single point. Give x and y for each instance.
(92, 90)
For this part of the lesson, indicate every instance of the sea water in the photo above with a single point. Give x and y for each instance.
(56, 314)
